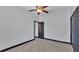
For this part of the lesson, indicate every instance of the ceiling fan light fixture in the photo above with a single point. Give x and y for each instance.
(39, 11)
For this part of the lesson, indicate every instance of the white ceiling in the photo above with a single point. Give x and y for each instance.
(51, 9)
(57, 21)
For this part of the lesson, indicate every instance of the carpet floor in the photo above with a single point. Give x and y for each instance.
(41, 45)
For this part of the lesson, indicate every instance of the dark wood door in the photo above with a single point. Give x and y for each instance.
(40, 29)
(75, 30)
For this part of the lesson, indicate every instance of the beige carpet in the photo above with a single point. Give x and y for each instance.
(41, 45)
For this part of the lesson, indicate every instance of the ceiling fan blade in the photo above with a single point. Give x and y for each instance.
(37, 6)
(45, 6)
(45, 11)
(42, 6)
(32, 10)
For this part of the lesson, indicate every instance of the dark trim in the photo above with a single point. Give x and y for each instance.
(71, 25)
(16, 45)
(40, 29)
(71, 30)
(34, 29)
(36, 21)
(55, 40)
(36, 36)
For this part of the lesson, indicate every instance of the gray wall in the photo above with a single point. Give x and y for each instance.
(57, 23)
(16, 26)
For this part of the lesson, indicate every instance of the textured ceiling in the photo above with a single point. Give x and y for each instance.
(51, 9)
(58, 8)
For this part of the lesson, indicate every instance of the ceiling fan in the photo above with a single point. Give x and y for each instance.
(39, 9)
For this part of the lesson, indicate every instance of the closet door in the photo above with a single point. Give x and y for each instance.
(75, 30)
(40, 29)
